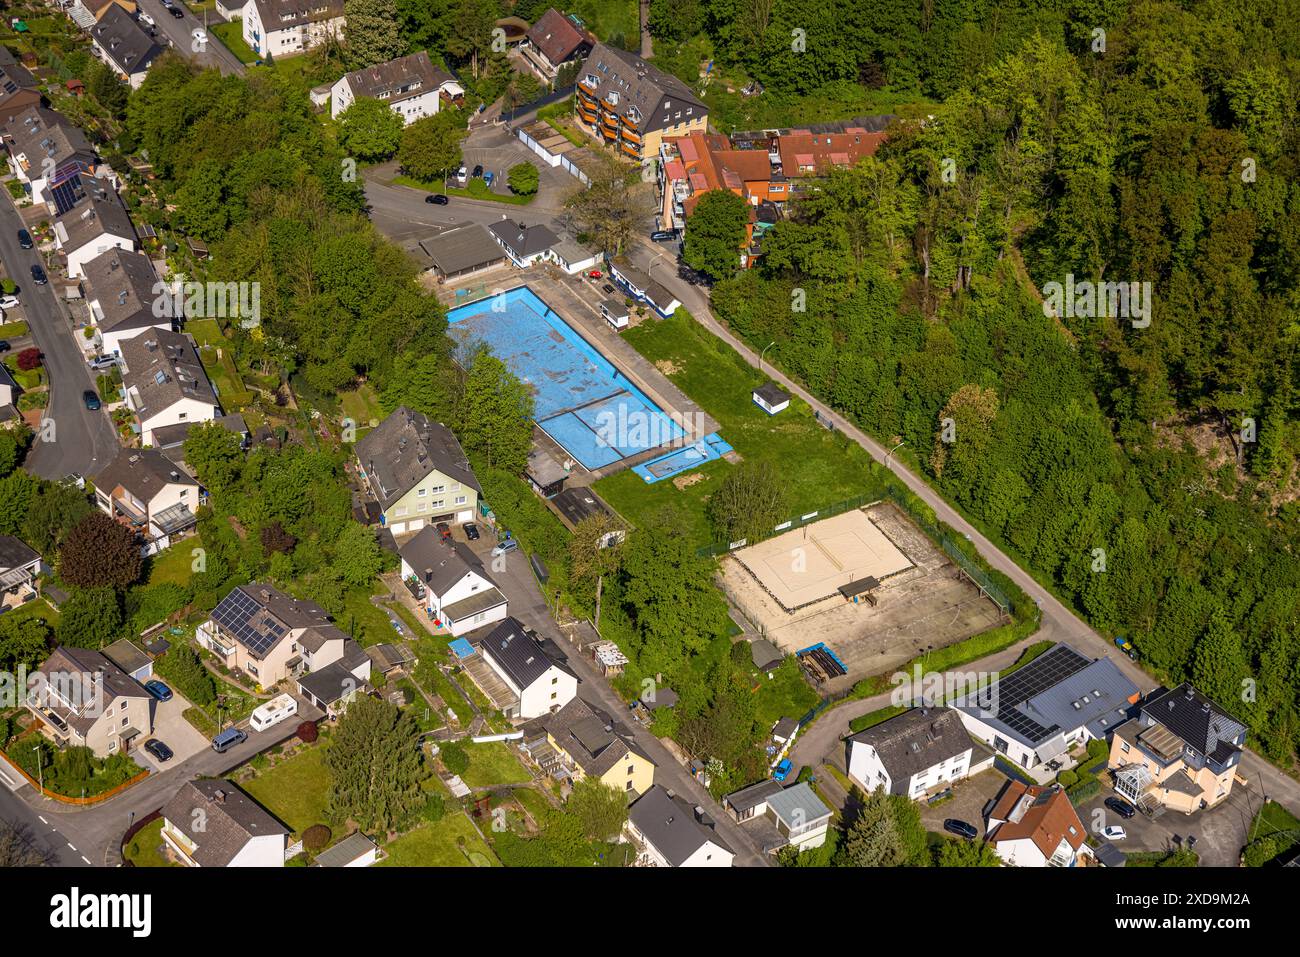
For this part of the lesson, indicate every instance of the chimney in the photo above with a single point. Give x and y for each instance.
(266, 594)
(219, 796)
(428, 575)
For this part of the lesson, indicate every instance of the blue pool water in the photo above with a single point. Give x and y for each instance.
(579, 398)
(708, 449)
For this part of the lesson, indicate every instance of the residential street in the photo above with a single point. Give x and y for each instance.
(83, 441)
(178, 31)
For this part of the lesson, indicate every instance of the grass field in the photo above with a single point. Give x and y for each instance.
(296, 790)
(452, 842)
(818, 467)
(361, 405)
(493, 763)
(1278, 823)
(144, 850)
(477, 189)
(231, 34)
(174, 565)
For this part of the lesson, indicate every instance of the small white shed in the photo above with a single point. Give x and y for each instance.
(771, 398)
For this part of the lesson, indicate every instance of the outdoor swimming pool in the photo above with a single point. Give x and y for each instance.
(580, 399)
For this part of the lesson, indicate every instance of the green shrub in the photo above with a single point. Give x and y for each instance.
(1067, 779)
(454, 757)
(317, 837)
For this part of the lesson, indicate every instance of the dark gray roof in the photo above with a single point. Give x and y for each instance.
(39, 134)
(126, 655)
(514, 651)
(401, 79)
(288, 14)
(170, 436)
(18, 88)
(65, 668)
(14, 553)
(102, 213)
(437, 563)
(523, 241)
(386, 656)
(642, 86)
(123, 282)
(230, 820)
(315, 637)
(403, 449)
(669, 824)
(771, 393)
(752, 796)
(6, 378)
(163, 368)
(142, 472)
(1109, 855)
(335, 681)
(764, 654)
(593, 739)
(1198, 721)
(260, 616)
(798, 802)
(124, 41)
(462, 249)
(346, 851)
(915, 740)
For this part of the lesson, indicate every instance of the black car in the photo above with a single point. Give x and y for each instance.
(960, 828)
(38, 276)
(437, 199)
(4, 345)
(25, 239)
(607, 289)
(478, 171)
(91, 400)
(471, 531)
(176, 12)
(662, 235)
(158, 749)
(1120, 807)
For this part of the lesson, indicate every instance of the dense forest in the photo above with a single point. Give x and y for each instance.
(1145, 467)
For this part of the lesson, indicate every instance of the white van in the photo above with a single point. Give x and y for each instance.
(273, 712)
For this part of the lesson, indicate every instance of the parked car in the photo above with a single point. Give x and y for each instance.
(961, 828)
(25, 239)
(471, 531)
(4, 345)
(782, 770)
(444, 530)
(489, 177)
(607, 289)
(478, 171)
(1120, 807)
(508, 545)
(176, 12)
(200, 36)
(9, 302)
(1114, 833)
(158, 750)
(437, 199)
(228, 739)
(662, 235)
(91, 400)
(38, 276)
(100, 363)
(594, 274)
(158, 690)
(147, 20)
(462, 176)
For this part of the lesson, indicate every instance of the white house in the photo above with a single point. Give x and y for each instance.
(528, 682)
(119, 287)
(771, 398)
(150, 492)
(644, 289)
(8, 396)
(93, 226)
(286, 27)
(1030, 826)
(164, 382)
(211, 823)
(573, 257)
(450, 583)
(800, 816)
(616, 313)
(912, 754)
(333, 687)
(411, 85)
(525, 245)
(46, 152)
(124, 45)
(670, 832)
(19, 567)
(355, 850)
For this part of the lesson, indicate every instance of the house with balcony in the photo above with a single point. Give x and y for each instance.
(1181, 753)
(333, 686)
(669, 831)
(82, 699)
(630, 105)
(516, 671)
(450, 583)
(211, 823)
(124, 46)
(1036, 826)
(411, 86)
(93, 226)
(122, 294)
(48, 155)
(416, 472)
(581, 741)
(284, 27)
(553, 41)
(19, 567)
(164, 383)
(147, 492)
(271, 636)
(912, 754)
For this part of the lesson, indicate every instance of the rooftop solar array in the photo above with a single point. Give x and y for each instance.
(1044, 672)
(235, 616)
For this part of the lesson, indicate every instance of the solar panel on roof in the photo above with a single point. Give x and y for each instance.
(1033, 679)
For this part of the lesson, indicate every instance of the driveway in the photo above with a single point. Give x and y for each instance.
(171, 728)
(969, 798)
(178, 33)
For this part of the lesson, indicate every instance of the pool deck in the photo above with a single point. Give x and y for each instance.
(574, 299)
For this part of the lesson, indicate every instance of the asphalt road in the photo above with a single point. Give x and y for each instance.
(179, 33)
(82, 441)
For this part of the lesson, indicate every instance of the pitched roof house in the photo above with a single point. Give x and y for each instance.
(19, 566)
(211, 823)
(8, 395)
(46, 152)
(124, 45)
(83, 699)
(800, 817)
(123, 294)
(1032, 826)
(631, 105)
(164, 382)
(1058, 700)
(416, 471)
(581, 741)
(524, 245)
(411, 85)
(805, 153)
(147, 491)
(1181, 752)
(553, 41)
(516, 672)
(283, 27)
(18, 88)
(669, 832)
(450, 583)
(93, 227)
(911, 754)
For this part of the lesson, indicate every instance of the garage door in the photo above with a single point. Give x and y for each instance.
(398, 528)
(415, 526)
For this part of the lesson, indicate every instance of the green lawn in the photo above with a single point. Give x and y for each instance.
(145, 848)
(818, 467)
(206, 332)
(491, 764)
(452, 842)
(607, 18)
(364, 620)
(1276, 822)
(361, 405)
(231, 34)
(223, 374)
(477, 189)
(174, 565)
(13, 330)
(296, 790)
(36, 608)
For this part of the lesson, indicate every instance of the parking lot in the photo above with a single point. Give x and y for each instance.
(969, 798)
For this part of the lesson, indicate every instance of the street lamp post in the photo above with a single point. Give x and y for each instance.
(763, 353)
(893, 450)
(40, 768)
